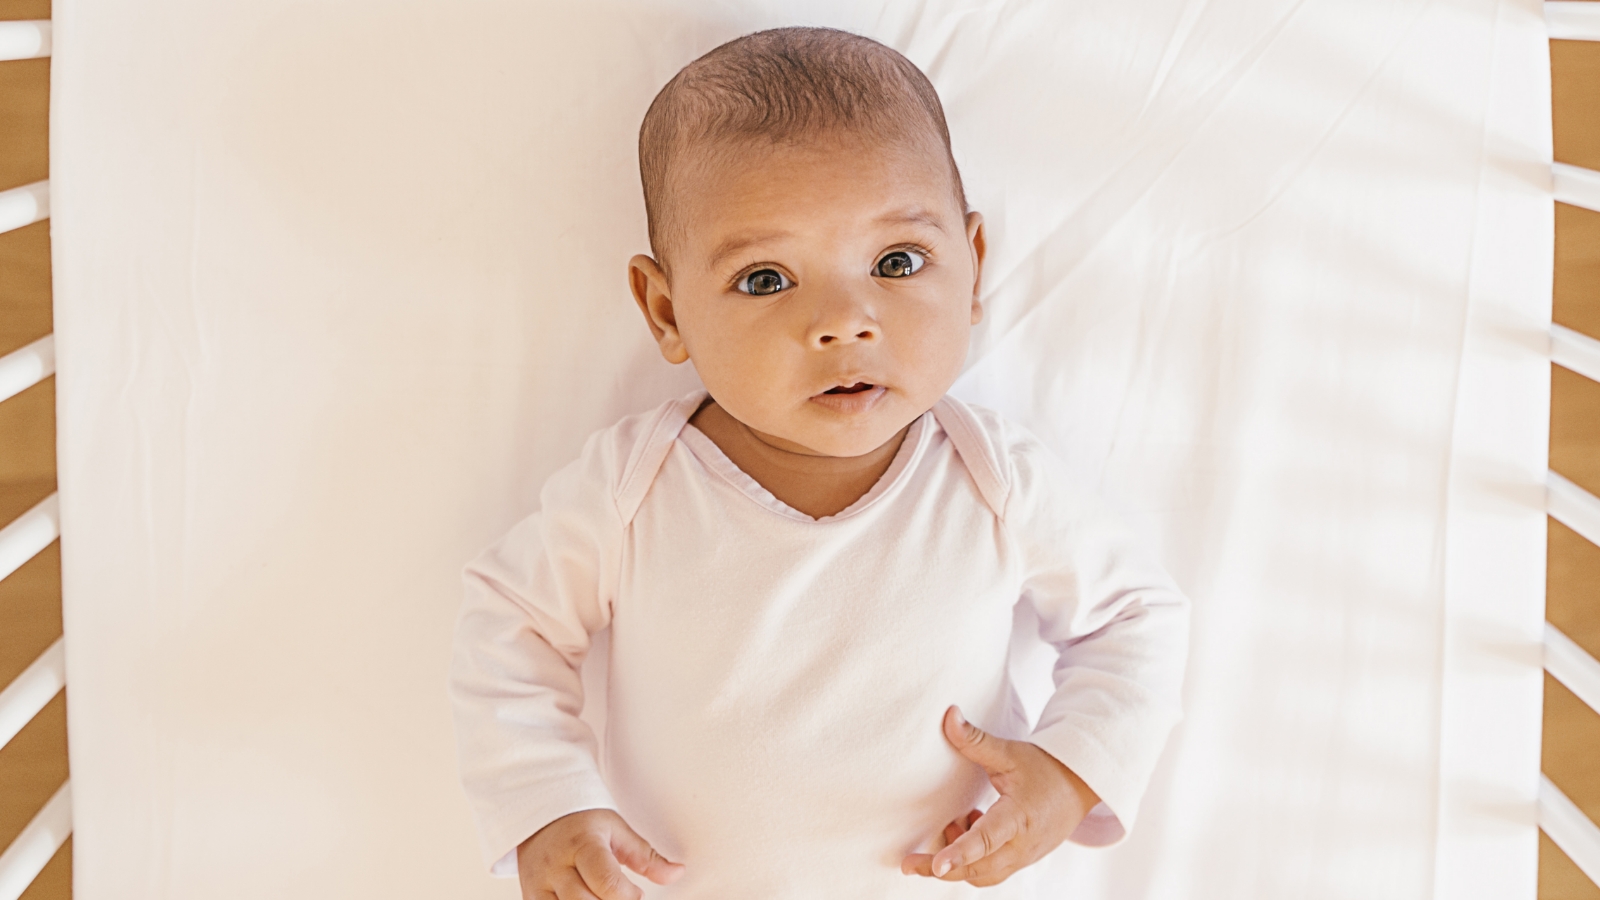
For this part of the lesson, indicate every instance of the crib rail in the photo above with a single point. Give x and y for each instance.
(27, 39)
(31, 532)
(1572, 20)
(1559, 817)
(26, 857)
(23, 206)
(1568, 664)
(1567, 503)
(24, 698)
(21, 540)
(1575, 352)
(1576, 185)
(19, 703)
(22, 369)
(1571, 830)
(38, 684)
(1573, 507)
(1576, 508)
(44, 835)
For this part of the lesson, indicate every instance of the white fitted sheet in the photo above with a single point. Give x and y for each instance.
(338, 285)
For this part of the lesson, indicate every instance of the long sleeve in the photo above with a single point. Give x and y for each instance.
(1119, 626)
(533, 600)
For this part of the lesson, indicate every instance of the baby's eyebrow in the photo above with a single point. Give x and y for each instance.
(738, 242)
(911, 217)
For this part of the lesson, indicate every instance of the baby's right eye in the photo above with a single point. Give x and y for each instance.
(764, 281)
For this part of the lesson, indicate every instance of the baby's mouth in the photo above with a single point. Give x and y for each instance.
(851, 399)
(856, 388)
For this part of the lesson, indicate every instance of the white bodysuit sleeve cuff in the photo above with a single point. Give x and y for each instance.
(538, 807)
(1106, 775)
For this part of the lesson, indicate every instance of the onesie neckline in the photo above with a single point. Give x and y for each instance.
(712, 457)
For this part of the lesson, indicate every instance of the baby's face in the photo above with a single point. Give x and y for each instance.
(825, 293)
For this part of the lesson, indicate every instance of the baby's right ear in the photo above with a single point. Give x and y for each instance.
(654, 296)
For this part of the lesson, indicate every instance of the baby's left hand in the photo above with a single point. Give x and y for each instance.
(1041, 802)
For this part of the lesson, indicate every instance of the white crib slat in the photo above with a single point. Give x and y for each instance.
(24, 368)
(1572, 831)
(27, 855)
(1572, 20)
(31, 532)
(1573, 507)
(1576, 185)
(24, 205)
(1575, 351)
(32, 690)
(1570, 665)
(24, 39)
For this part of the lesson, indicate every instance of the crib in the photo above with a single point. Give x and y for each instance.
(1486, 499)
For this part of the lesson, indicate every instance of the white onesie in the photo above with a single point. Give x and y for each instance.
(776, 682)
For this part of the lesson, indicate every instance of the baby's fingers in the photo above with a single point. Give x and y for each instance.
(602, 876)
(636, 853)
(959, 825)
(569, 885)
(987, 835)
(922, 863)
(992, 869)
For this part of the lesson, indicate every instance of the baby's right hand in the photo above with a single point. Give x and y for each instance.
(576, 858)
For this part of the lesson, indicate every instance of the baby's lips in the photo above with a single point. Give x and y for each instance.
(850, 384)
(853, 388)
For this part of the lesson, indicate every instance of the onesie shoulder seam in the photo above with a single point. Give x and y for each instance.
(981, 448)
(658, 431)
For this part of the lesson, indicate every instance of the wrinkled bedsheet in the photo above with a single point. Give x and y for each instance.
(338, 285)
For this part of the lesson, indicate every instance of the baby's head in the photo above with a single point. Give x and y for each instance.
(814, 255)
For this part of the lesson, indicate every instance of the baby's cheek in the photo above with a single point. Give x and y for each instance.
(932, 353)
(736, 379)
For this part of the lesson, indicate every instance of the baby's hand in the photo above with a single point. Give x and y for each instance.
(1041, 802)
(576, 858)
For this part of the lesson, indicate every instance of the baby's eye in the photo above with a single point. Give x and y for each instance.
(764, 281)
(899, 264)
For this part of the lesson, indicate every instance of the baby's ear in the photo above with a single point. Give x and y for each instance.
(654, 296)
(980, 248)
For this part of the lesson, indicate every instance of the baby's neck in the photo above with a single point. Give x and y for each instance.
(818, 486)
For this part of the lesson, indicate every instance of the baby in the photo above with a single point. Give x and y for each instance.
(810, 569)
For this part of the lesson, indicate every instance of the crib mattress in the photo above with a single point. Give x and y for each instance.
(338, 285)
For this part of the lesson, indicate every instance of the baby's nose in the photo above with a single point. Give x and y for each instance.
(843, 322)
(867, 334)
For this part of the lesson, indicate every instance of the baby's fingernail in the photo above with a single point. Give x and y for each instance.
(941, 867)
(960, 719)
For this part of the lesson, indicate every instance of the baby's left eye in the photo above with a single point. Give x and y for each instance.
(899, 264)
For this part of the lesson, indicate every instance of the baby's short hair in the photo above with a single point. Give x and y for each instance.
(785, 85)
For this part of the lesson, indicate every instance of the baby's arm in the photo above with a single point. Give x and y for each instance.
(528, 762)
(1120, 629)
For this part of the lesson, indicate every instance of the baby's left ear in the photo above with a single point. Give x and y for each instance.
(979, 246)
